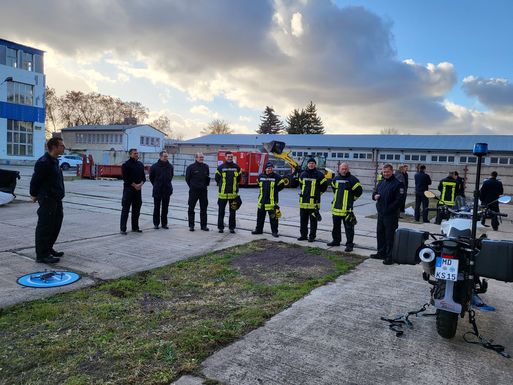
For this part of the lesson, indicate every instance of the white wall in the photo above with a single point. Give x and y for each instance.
(134, 138)
(38, 81)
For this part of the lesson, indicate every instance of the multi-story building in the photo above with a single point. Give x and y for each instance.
(22, 103)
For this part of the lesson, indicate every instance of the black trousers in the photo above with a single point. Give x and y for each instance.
(49, 222)
(306, 215)
(158, 215)
(440, 216)
(131, 198)
(202, 196)
(385, 231)
(336, 233)
(495, 219)
(220, 216)
(420, 199)
(403, 203)
(261, 219)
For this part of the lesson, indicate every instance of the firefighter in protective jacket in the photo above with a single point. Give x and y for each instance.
(449, 188)
(346, 189)
(270, 184)
(312, 183)
(227, 178)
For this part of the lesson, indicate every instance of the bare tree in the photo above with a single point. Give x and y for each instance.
(51, 105)
(389, 131)
(163, 124)
(217, 126)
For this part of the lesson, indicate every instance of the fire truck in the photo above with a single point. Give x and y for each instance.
(251, 164)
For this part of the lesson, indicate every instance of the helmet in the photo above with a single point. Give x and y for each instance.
(235, 203)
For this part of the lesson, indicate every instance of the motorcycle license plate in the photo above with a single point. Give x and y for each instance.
(446, 269)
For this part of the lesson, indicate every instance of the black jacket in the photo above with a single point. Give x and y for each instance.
(161, 175)
(47, 181)
(491, 190)
(313, 184)
(346, 189)
(422, 182)
(197, 176)
(133, 172)
(449, 188)
(270, 185)
(228, 178)
(391, 193)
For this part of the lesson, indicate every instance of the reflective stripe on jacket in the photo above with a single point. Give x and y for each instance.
(270, 185)
(313, 184)
(448, 188)
(346, 189)
(228, 178)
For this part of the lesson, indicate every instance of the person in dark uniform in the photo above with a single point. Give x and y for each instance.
(388, 196)
(133, 180)
(197, 178)
(402, 176)
(422, 182)
(47, 188)
(490, 191)
(161, 175)
(270, 184)
(312, 183)
(228, 179)
(346, 189)
(448, 188)
(461, 185)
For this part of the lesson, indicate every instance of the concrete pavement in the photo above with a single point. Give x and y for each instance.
(332, 336)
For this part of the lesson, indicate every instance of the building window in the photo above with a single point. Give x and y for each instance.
(407, 157)
(423, 158)
(472, 159)
(20, 138)
(434, 158)
(442, 158)
(20, 93)
(503, 160)
(12, 58)
(390, 156)
(27, 62)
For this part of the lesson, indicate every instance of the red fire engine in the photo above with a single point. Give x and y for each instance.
(252, 164)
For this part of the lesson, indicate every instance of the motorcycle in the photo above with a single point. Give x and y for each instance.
(447, 265)
(457, 261)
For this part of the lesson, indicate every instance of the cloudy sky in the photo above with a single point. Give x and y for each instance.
(419, 67)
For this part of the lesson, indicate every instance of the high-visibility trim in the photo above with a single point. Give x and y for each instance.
(259, 204)
(235, 175)
(356, 186)
(445, 186)
(223, 185)
(227, 195)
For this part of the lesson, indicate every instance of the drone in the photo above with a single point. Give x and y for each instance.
(47, 275)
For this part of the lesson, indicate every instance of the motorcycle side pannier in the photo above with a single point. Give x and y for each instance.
(407, 243)
(495, 260)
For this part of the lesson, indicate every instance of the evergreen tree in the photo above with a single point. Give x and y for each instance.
(270, 123)
(313, 122)
(297, 122)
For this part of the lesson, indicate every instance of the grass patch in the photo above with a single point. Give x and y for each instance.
(154, 326)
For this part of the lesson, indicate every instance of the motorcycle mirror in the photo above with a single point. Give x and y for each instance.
(505, 199)
(429, 194)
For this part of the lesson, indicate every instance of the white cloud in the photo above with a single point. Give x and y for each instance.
(245, 118)
(296, 25)
(282, 53)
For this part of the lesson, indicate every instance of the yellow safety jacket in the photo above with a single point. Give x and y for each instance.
(346, 189)
(448, 189)
(227, 178)
(312, 184)
(270, 185)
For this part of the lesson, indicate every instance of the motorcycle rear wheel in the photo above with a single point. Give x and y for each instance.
(446, 323)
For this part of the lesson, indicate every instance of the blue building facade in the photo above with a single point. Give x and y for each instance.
(22, 103)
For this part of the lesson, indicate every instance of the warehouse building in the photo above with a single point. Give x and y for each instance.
(366, 153)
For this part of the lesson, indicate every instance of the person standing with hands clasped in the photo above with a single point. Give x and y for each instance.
(161, 175)
(133, 180)
(197, 178)
(228, 179)
(47, 188)
(388, 196)
(270, 184)
(346, 189)
(312, 183)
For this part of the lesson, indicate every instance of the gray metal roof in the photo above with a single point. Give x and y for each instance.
(502, 143)
(108, 127)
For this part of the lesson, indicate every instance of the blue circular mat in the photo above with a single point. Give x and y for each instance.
(46, 279)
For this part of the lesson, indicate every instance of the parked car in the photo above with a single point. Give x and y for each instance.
(68, 161)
